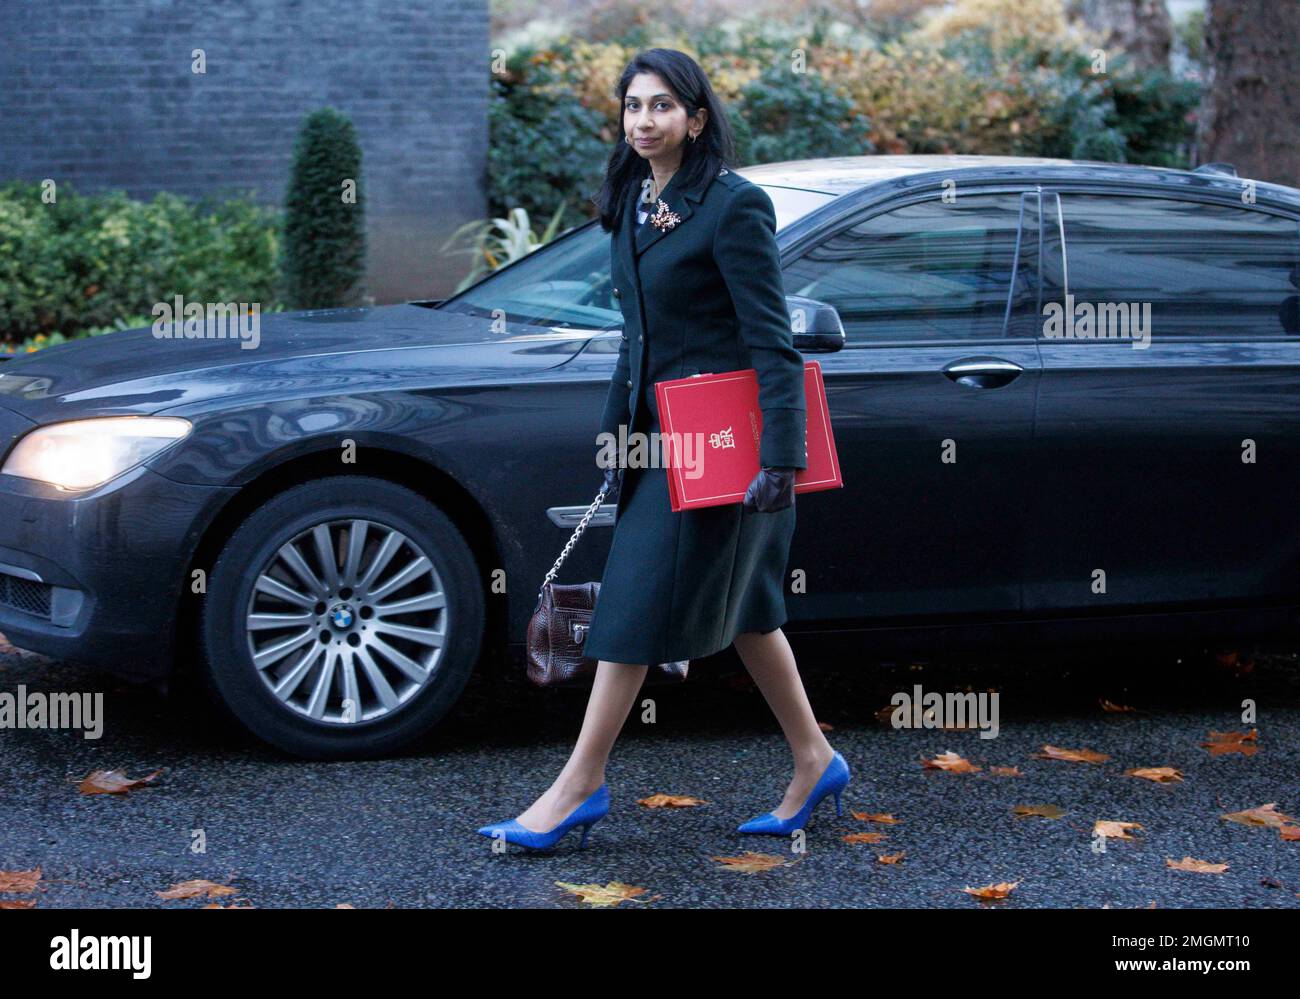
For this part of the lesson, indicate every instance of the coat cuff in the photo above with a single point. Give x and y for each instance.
(785, 442)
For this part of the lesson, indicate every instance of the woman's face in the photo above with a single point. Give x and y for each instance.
(655, 121)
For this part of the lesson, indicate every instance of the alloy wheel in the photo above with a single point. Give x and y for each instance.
(347, 622)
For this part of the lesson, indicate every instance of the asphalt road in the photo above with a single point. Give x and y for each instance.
(400, 832)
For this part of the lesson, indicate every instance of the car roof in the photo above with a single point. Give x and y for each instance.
(839, 175)
(842, 174)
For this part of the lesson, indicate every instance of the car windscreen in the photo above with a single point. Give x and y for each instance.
(566, 283)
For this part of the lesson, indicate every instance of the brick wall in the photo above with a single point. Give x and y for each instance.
(102, 94)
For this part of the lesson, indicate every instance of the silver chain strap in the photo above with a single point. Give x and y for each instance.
(577, 533)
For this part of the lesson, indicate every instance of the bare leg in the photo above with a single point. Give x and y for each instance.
(612, 696)
(770, 661)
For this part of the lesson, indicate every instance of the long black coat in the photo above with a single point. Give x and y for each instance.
(705, 295)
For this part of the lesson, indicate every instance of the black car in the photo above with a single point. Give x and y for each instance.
(1066, 398)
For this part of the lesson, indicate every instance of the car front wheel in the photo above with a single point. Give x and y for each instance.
(342, 619)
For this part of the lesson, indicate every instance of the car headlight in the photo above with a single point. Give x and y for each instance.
(81, 454)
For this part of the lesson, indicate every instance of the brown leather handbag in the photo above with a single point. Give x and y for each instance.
(560, 623)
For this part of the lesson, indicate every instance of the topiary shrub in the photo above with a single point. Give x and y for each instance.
(323, 263)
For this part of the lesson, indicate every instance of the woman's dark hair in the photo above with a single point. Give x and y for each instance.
(712, 149)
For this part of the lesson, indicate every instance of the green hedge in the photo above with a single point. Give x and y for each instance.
(83, 262)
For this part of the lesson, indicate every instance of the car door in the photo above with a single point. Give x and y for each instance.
(1167, 462)
(932, 404)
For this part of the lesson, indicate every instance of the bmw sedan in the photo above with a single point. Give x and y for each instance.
(1064, 396)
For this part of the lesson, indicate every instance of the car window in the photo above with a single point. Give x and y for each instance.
(1204, 269)
(566, 283)
(932, 270)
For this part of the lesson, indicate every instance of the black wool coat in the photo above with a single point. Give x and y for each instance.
(704, 295)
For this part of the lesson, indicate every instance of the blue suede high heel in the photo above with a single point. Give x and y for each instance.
(586, 815)
(832, 781)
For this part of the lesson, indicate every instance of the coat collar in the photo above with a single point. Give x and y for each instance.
(679, 201)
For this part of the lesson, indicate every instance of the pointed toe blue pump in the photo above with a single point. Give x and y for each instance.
(832, 781)
(585, 815)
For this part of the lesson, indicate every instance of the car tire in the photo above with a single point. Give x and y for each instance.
(361, 696)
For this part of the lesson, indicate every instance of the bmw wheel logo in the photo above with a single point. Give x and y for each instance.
(341, 616)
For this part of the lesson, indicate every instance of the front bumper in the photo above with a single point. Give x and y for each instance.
(97, 579)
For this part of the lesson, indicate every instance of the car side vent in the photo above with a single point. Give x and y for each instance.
(25, 595)
(1227, 169)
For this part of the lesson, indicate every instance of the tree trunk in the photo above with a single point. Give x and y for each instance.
(1142, 28)
(1249, 112)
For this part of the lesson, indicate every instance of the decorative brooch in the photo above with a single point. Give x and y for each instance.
(664, 218)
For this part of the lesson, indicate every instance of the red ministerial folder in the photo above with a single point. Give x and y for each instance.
(713, 428)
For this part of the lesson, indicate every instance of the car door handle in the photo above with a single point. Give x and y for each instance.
(569, 516)
(989, 372)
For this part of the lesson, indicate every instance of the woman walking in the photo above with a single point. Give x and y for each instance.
(696, 271)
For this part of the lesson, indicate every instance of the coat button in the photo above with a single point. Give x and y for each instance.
(629, 383)
(617, 293)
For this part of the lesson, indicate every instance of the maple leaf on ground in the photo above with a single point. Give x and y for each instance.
(750, 862)
(1195, 866)
(864, 837)
(217, 905)
(1251, 736)
(950, 762)
(671, 801)
(604, 896)
(1115, 830)
(1161, 775)
(1264, 815)
(19, 882)
(1071, 755)
(1000, 890)
(18, 903)
(195, 889)
(890, 858)
(1005, 771)
(1043, 811)
(1112, 708)
(1232, 742)
(113, 782)
(882, 817)
(1289, 832)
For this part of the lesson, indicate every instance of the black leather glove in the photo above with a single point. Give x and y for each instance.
(771, 490)
(611, 485)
